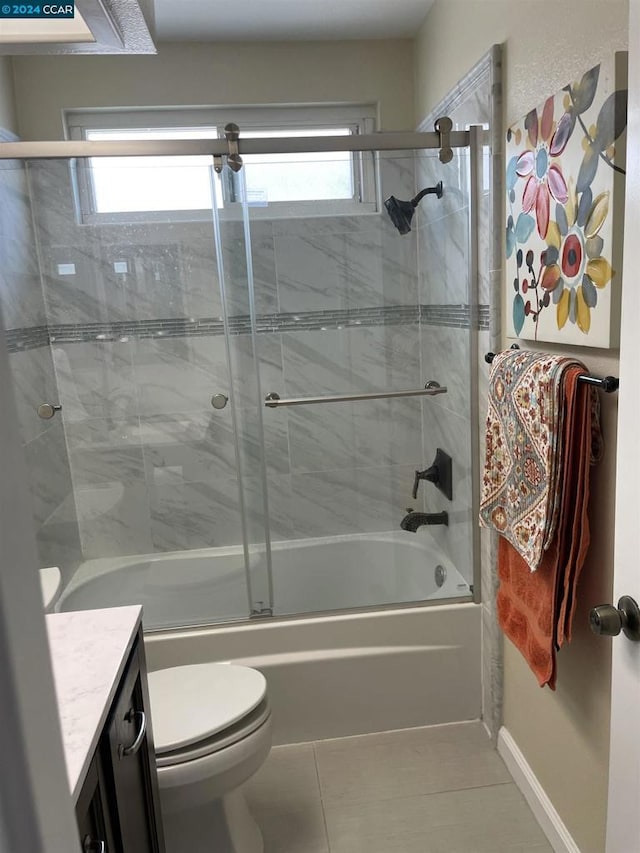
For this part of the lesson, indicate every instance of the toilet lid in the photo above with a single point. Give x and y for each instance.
(191, 703)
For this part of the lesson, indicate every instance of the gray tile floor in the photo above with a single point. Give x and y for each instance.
(442, 789)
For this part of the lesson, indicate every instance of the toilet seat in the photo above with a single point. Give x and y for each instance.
(203, 708)
(241, 730)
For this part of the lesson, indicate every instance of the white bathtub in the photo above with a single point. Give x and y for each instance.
(329, 675)
(208, 586)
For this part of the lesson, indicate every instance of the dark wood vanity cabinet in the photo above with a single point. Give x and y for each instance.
(92, 812)
(118, 810)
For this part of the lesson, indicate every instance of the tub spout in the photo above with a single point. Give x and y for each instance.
(413, 520)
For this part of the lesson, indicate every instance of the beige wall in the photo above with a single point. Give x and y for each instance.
(190, 74)
(7, 104)
(564, 735)
(546, 43)
(454, 36)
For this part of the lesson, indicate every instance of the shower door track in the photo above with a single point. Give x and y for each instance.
(275, 618)
(398, 141)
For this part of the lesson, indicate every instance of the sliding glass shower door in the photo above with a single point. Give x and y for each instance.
(241, 359)
(155, 436)
(333, 294)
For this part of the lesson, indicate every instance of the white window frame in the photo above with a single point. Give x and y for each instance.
(360, 118)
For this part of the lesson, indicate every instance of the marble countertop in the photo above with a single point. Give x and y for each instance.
(89, 650)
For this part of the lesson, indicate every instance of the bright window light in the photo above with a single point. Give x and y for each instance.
(126, 189)
(299, 177)
(143, 184)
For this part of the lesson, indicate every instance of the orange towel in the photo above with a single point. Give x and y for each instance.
(535, 609)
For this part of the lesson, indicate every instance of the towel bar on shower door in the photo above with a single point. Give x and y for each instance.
(431, 389)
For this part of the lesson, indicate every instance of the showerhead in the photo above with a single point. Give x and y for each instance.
(401, 212)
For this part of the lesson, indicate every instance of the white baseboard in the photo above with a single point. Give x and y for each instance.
(557, 833)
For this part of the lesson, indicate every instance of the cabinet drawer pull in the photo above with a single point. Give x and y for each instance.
(91, 846)
(124, 751)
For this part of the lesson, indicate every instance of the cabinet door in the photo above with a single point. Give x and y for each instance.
(92, 813)
(128, 746)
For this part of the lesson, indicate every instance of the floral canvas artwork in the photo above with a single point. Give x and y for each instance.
(564, 206)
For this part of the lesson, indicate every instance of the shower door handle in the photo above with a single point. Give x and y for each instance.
(431, 389)
(47, 410)
(219, 401)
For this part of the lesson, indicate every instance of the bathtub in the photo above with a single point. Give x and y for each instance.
(208, 586)
(346, 674)
(386, 665)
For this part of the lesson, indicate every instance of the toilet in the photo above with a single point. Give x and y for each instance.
(50, 587)
(212, 732)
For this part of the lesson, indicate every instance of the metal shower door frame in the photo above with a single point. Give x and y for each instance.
(259, 582)
(398, 141)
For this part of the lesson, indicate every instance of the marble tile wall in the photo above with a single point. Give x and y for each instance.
(22, 305)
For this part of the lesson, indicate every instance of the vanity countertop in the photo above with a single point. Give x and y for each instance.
(89, 651)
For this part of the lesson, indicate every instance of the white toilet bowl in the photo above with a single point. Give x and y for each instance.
(212, 732)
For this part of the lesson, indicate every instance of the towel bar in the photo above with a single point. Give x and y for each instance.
(431, 389)
(608, 384)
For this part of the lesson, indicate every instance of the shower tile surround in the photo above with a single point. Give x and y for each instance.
(134, 320)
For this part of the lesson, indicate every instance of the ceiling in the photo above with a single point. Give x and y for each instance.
(97, 27)
(287, 20)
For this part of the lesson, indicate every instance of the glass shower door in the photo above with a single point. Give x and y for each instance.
(334, 297)
(134, 315)
(245, 351)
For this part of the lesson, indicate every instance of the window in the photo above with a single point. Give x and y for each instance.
(125, 189)
(143, 184)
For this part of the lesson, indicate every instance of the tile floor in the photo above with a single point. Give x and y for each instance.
(442, 789)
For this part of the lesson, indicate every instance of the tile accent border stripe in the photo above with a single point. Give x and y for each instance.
(30, 337)
(454, 316)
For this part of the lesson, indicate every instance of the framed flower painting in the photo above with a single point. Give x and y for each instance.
(564, 210)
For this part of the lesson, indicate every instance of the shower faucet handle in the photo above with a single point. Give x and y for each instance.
(430, 474)
(439, 473)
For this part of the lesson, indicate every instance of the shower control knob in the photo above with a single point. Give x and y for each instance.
(608, 621)
(219, 401)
